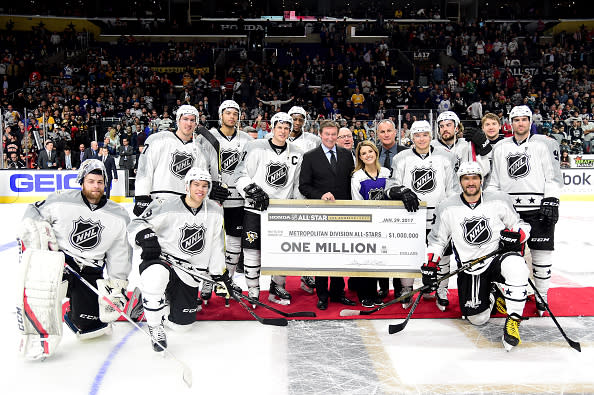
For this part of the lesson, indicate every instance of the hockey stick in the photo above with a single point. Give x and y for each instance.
(573, 344)
(284, 314)
(186, 372)
(466, 266)
(398, 327)
(234, 295)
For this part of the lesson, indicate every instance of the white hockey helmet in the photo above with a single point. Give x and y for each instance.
(229, 104)
(94, 166)
(186, 109)
(298, 110)
(448, 115)
(521, 111)
(199, 174)
(281, 117)
(421, 126)
(467, 168)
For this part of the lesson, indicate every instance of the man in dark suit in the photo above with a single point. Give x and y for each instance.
(92, 152)
(110, 167)
(67, 160)
(326, 174)
(126, 155)
(47, 157)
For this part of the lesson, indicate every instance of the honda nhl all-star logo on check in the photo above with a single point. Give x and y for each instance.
(86, 234)
(476, 231)
(518, 165)
(180, 163)
(191, 240)
(423, 179)
(229, 160)
(277, 174)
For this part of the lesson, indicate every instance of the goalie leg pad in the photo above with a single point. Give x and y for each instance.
(39, 302)
(113, 289)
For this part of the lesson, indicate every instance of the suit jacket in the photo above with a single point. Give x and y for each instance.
(74, 161)
(127, 157)
(110, 166)
(90, 155)
(43, 162)
(317, 176)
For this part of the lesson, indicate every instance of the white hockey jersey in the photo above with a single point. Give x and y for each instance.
(188, 237)
(230, 149)
(277, 173)
(306, 141)
(165, 161)
(463, 151)
(95, 237)
(528, 171)
(365, 187)
(474, 231)
(432, 178)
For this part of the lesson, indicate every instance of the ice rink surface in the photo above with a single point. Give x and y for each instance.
(431, 356)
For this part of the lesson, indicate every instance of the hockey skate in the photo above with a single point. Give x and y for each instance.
(511, 332)
(406, 303)
(158, 337)
(442, 301)
(499, 300)
(308, 284)
(279, 294)
(206, 291)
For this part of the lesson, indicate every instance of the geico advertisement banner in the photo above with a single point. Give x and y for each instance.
(342, 238)
(578, 184)
(26, 186)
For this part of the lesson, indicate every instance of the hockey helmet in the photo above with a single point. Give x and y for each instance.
(199, 174)
(94, 166)
(298, 110)
(281, 117)
(521, 111)
(420, 127)
(448, 115)
(467, 168)
(229, 104)
(186, 109)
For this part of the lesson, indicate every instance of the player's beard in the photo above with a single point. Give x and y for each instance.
(472, 196)
(93, 196)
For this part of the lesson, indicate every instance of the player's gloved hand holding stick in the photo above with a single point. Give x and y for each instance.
(147, 240)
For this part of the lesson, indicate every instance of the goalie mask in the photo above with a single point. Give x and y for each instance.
(186, 109)
(94, 166)
(198, 174)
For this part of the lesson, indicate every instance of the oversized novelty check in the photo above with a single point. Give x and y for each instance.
(366, 238)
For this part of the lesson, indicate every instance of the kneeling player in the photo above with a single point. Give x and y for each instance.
(478, 223)
(184, 231)
(88, 232)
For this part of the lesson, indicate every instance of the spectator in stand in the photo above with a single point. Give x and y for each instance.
(47, 159)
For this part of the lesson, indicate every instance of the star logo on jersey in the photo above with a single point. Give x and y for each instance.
(229, 160)
(191, 240)
(518, 165)
(423, 179)
(180, 163)
(277, 174)
(476, 231)
(251, 237)
(85, 234)
(376, 194)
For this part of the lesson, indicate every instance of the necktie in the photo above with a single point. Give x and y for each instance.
(387, 162)
(332, 160)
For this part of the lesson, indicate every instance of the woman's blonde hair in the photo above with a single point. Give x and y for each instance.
(360, 165)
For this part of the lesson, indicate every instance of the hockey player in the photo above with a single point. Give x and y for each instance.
(89, 232)
(269, 169)
(527, 168)
(429, 172)
(479, 223)
(167, 157)
(186, 230)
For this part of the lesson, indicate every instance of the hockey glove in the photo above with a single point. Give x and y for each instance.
(220, 192)
(549, 211)
(114, 289)
(142, 202)
(37, 234)
(147, 240)
(258, 196)
(479, 140)
(510, 241)
(429, 272)
(408, 197)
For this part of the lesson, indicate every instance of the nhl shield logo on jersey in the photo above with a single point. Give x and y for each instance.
(476, 230)
(229, 160)
(518, 165)
(191, 240)
(181, 162)
(423, 179)
(85, 234)
(376, 194)
(277, 174)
